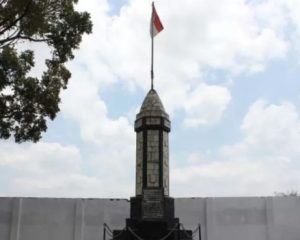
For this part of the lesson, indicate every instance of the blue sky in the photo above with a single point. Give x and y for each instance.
(227, 73)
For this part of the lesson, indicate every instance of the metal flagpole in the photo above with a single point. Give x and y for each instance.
(152, 46)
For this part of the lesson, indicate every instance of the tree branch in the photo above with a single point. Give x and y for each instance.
(7, 18)
(34, 39)
(11, 38)
(2, 2)
(17, 19)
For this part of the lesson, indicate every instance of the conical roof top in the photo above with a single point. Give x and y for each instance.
(152, 106)
(152, 102)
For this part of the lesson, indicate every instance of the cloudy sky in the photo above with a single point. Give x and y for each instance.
(228, 74)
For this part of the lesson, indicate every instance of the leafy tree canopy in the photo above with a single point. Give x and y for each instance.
(287, 194)
(26, 102)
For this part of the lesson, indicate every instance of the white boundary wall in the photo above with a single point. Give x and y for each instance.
(245, 218)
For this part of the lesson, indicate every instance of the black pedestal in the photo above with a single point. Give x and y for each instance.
(159, 208)
(151, 230)
(152, 218)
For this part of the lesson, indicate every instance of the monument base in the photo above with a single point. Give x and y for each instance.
(151, 230)
(142, 208)
(152, 218)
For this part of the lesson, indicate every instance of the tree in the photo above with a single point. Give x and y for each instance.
(26, 102)
(287, 194)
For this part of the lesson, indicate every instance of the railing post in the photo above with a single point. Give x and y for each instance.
(104, 231)
(199, 231)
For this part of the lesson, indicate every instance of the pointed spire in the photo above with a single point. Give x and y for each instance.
(152, 106)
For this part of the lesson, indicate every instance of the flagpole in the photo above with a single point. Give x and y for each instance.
(152, 47)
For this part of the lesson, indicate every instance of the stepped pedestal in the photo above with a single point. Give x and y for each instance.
(152, 218)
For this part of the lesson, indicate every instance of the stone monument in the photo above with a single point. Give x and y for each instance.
(152, 210)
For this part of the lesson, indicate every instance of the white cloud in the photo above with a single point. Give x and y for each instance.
(232, 35)
(283, 16)
(265, 161)
(111, 141)
(293, 9)
(38, 168)
(271, 130)
(234, 38)
(220, 35)
(52, 169)
(38, 157)
(206, 104)
(198, 35)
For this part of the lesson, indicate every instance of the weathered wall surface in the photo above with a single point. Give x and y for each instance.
(276, 218)
(59, 219)
(82, 219)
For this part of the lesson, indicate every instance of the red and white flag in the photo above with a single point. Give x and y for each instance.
(156, 25)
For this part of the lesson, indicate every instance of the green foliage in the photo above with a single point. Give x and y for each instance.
(27, 102)
(287, 194)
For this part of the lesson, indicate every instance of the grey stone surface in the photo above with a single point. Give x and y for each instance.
(152, 126)
(152, 204)
(153, 121)
(152, 106)
(153, 159)
(166, 163)
(139, 163)
(138, 123)
(247, 218)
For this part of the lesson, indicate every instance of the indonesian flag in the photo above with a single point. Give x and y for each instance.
(156, 25)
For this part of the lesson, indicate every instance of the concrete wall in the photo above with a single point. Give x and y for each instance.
(82, 219)
(59, 219)
(276, 218)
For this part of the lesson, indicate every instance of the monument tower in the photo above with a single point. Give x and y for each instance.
(152, 126)
(152, 209)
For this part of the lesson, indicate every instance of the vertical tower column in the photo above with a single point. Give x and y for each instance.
(152, 126)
